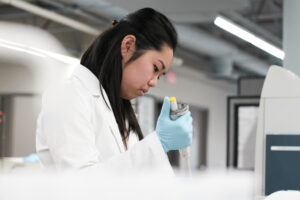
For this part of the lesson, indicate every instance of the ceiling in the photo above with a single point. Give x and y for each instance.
(202, 45)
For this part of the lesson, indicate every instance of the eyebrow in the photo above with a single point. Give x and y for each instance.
(163, 65)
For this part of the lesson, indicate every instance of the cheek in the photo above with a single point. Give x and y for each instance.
(134, 78)
(141, 73)
(144, 75)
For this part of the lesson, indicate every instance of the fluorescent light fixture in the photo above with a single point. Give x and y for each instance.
(57, 56)
(17, 48)
(38, 52)
(242, 33)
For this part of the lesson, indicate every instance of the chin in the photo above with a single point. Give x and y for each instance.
(128, 98)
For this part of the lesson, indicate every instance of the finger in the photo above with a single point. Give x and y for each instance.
(165, 110)
(186, 116)
(191, 119)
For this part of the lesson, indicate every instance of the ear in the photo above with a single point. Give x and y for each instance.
(128, 47)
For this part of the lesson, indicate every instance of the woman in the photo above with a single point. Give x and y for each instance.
(88, 122)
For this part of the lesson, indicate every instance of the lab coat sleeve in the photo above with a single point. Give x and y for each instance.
(146, 155)
(67, 126)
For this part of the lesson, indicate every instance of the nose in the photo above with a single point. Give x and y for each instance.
(153, 81)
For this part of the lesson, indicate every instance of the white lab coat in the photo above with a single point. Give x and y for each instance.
(76, 130)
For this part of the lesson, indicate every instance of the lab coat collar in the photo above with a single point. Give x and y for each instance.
(90, 81)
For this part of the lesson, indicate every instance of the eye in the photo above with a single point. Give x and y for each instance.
(156, 68)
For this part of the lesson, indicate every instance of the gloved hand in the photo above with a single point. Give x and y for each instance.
(174, 134)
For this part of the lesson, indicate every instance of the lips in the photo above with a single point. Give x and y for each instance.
(141, 92)
(145, 91)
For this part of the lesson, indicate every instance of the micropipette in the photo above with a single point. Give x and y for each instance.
(176, 111)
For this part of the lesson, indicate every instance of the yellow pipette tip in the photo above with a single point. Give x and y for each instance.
(172, 99)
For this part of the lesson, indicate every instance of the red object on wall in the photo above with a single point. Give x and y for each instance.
(1, 114)
(171, 77)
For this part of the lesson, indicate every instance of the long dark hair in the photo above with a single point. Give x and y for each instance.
(103, 58)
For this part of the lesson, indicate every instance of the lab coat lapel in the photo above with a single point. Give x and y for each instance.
(92, 84)
(113, 123)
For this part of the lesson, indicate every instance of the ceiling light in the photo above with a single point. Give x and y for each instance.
(242, 33)
(38, 52)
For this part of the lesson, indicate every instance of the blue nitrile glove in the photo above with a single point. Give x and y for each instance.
(31, 158)
(174, 134)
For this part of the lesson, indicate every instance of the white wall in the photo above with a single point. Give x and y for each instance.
(28, 35)
(24, 85)
(25, 110)
(24, 75)
(194, 88)
(15, 79)
(291, 32)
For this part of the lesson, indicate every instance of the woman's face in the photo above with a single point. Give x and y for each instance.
(143, 73)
